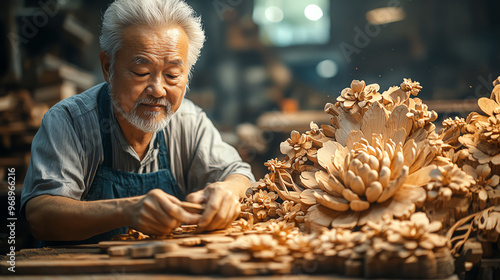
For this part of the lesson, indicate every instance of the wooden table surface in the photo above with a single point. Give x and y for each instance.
(89, 262)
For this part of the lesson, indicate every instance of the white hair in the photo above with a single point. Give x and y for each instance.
(154, 13)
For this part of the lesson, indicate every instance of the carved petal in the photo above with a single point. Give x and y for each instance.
(354, 137)
(398, 120)
(347, 219)
(401, 204)
(307, 197)
(330, 201)
(347, 123)
(374, 121)
(394, 186)
(318, 217)
(329, 183)
(325, 155)
(285, 147)
(328, 130)
(309, 180)
(487, 105)
(420, 219)
(420, 177)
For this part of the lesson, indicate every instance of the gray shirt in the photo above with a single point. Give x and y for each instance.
(67, 150)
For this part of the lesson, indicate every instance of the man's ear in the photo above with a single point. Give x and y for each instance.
(105, 65)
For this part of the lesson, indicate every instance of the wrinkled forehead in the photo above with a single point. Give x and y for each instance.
(160, 42)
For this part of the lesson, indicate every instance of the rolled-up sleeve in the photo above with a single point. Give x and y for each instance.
(56, 165)
(212, 159)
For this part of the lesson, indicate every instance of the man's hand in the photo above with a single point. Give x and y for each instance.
(158, 213)
(222, 206)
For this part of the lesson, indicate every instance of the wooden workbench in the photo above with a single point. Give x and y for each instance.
(90, 262)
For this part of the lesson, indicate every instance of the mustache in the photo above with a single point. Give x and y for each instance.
(150, 100)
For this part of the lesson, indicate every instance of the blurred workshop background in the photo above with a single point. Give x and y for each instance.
(267, 67)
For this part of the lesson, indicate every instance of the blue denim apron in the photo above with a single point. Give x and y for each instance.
(109, 183)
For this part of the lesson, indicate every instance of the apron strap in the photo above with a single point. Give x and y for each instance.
(163, 155)
(105, 123)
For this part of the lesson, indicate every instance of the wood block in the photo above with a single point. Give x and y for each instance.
(84, 265)
(188, 259)
(206, 239)
(192, 207)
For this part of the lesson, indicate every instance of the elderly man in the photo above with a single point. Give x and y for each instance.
(126, 152)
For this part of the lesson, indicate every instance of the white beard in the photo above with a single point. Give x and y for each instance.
(147, 125)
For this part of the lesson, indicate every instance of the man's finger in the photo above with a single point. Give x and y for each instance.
(196, 197)
(232, 214)
(213, 207)
(190, 218)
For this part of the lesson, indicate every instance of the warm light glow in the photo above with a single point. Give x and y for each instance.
(313, 12)
(274, 14)
(385, 15)
(327, 68)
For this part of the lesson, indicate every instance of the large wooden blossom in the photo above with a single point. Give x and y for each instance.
(374, 168)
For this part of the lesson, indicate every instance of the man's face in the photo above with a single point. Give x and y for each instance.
(150, 75)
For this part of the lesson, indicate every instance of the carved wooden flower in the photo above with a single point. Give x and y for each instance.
(279, 180)
(358, 97)
(406, 238)
(483, 140)
(267, 183)
(338, 239)
(261, 247)
(274, 165)
(290, 212)
(372, 170)
(393, 97)
(372, 182)
(317, 135)
(264, 205)
(481, 151)
(409, 86)
(282, 231)
(243, 224)
(420, 115)
(452, 129)
(261, 204)
(296, 146)
(488, 225)
(446, 181)
(490, 132)
(487, 184)
(303, 246)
